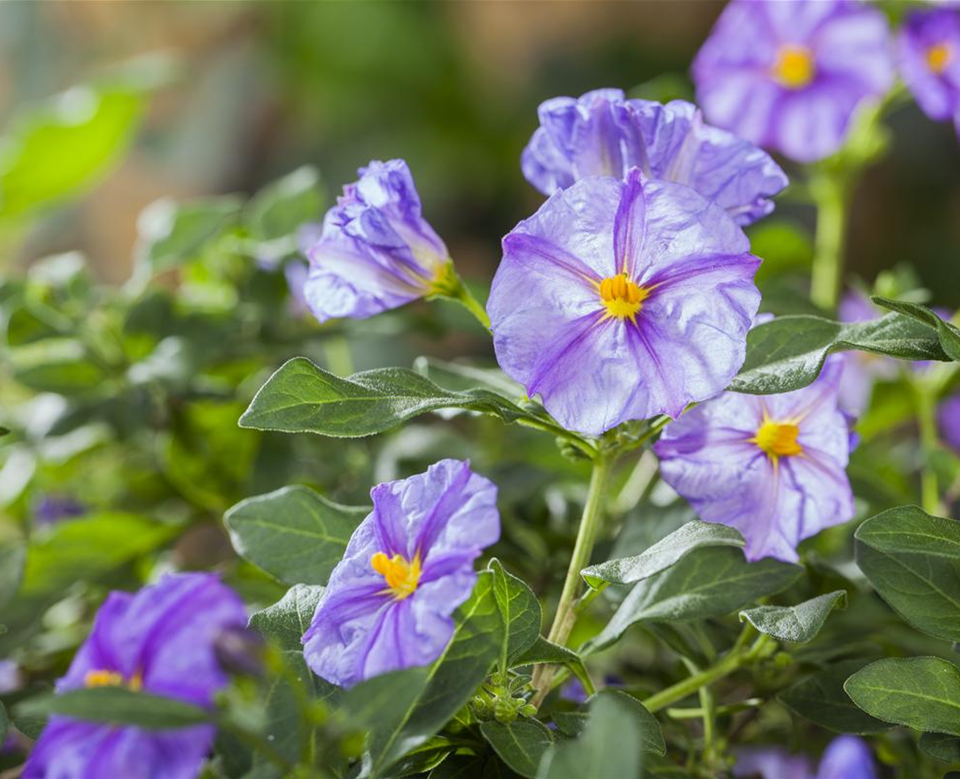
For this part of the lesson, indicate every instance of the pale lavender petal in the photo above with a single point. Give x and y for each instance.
(772, 763)
(948, 419)
(847, 757)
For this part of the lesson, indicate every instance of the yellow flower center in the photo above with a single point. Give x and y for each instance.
(794, 67)
(104, 678)
(401, 575)
(778, 439)
(621, 297)
(938, 57)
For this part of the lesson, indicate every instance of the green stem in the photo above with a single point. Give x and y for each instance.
(586, 537)
(448, 284)
(726, 665)
(929, 442)
(468, 301)
(708, 710)
(830, 196)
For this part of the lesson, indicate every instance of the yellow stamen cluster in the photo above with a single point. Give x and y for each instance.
(794, 68)
(622, 297)
(778, 439)
(938, 57)
(401, 575)
(104, 678)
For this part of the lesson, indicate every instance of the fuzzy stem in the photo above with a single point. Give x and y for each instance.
(830, 196)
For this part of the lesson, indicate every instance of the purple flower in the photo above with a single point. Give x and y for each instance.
(861, 369)
(50, 509)
(621, 300)
(376, 252)
(790, 75)
(159, 640)
(771, 466)
(11, 678)
(846, 757)
(603, 134)
(408, 565)
(928, 49)
(948, 419)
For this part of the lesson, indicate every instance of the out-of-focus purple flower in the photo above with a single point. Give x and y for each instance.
(50, 509)
(861, 369)
(928, 49)
(771, 466)
(408, 565)
(789, 76)
(846, 757)
(948, 420)
(604, 134)
(376, 251)
(296, 271)
(621, 300)
(11, 678)
(159, 640)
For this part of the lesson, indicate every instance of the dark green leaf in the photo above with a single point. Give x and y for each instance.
(279, 209)
(788, 353)
(4, 723)
(948, 333)
(543, 651)
(117, 705)
(941, 746)
(609, 746)
(520, 744)
(821, 699)
(451, 681)
(383, 701)
(913, 560)
(519, 610)
(485, 766)
(64, 144)
(56, 365)
(288, 619)
(920, 692)
(293, 534)
(799, 623)
(572, 723)
(172, 233)
(708, 582)
(302, 398)
(663, 554)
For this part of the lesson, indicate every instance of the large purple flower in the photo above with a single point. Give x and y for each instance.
(846, 757)
(928, 48)
(604, 134)
(771, 466)
(159, 640)
(790, 75)
(376, 251)
(409, 564)
(621, 300)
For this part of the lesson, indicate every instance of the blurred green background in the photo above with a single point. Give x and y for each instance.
(258, 89)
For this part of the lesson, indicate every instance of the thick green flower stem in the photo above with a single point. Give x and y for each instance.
(735, 659)
(830, 196)
(586, 537)
(448, 284)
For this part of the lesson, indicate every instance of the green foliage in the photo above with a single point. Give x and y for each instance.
(288, 619)
(519, 611)
(293, 534)
(913, 560)
(948, 333)
(920, 692)
(797, 624)
(521, 745)
(117, 706)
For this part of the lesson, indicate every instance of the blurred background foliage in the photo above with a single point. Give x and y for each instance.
(156, 162)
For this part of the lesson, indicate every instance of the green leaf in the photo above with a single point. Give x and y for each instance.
(4, 723)
(546, 652)
(383, 701)
(288, 619)
(119, 706)
(820, 698)
(920, 692)
(451, 681)
(666, 552)
(56, 365)
(941, 746)
(63, 144)
(708, 582)
(12, 559)
(278, 210)
(788, 353)
(609, 746)
(913, 561)
(171, 232)
(294, 534)
(947, 332)
(799, 623)
(519, 744)
(572, 723)
(519, 610)
(302, 398)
